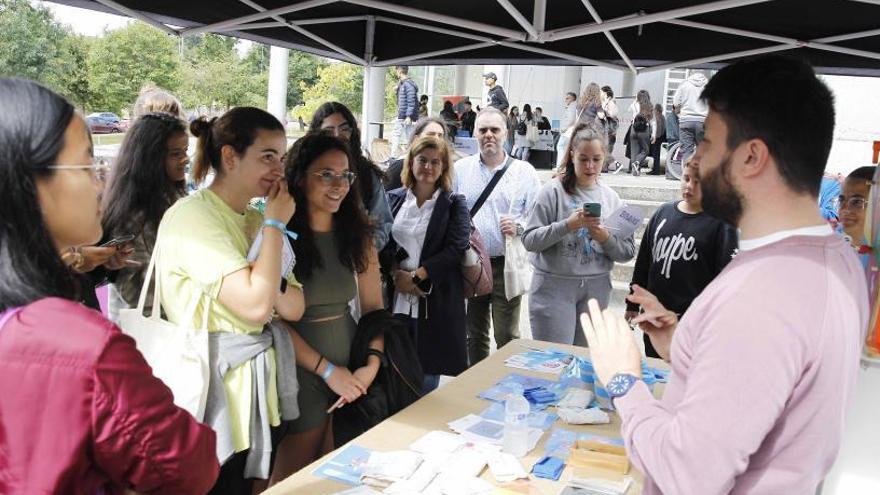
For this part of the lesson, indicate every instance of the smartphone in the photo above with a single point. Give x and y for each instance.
(123, 239)
(593, 209)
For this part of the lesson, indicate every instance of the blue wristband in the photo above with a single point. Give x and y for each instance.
(328, 371)
(270, 222)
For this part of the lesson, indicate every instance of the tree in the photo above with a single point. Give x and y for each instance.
(71, 77)
(125, 59)
(338, 81)
(302, 69)
(30, 40)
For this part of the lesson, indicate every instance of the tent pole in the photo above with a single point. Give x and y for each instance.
(717, 58)
(209, 28)
(138, 15)
(519, 18)
(611, 39)
(630, 21)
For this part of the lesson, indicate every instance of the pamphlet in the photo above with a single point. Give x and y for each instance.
(346, 466)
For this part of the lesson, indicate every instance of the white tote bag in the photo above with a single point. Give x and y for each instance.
(178, 354)
(517, 269)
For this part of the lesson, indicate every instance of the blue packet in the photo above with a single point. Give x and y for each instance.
(548, 467)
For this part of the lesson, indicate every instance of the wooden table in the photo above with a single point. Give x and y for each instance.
(452, 401)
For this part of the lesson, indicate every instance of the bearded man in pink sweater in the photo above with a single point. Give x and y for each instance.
(764, 361)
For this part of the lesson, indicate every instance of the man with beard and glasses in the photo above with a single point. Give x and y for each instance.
(764, 361)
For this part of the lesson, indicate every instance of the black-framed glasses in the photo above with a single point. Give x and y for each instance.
(328, 178)
(854, 203)
(100, 168)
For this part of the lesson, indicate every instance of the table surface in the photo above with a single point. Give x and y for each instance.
(452, 401)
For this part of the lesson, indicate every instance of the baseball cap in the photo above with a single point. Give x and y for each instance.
(490, 75)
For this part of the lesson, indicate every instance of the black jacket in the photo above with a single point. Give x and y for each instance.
(397, 385)
(392, 175)
(441, 342)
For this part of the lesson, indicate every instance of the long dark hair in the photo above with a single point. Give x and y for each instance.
(368, 172)
(351, 227)
(583, 132)
(237, 128)
(139, 188)
(527, 112)
(32, 126)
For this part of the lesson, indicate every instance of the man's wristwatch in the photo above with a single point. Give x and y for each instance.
(620, 384)
(416, 280)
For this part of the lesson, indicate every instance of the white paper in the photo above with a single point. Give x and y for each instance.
(603, 486)
(479, 429)
(392, 466)
(505, 467)
(438, 442)
(624, 221)
(417, 483)
(463, 485)
(358, 490)
(288, 258)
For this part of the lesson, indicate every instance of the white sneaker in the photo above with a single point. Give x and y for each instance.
(636, 169)
(617, 168)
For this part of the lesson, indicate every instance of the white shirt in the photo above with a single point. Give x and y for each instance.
(409, 229)
(569, 116)
(514, 196)
(815, 231)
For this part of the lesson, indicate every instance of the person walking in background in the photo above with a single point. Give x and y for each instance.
(765, 361)
(566, 126)
(659, 139)
(512, 121)
(450, 117)
(468, 116)
(610, 117)
(429, 127)
(525, 131)
(407, 109)
(641, 132)
(683, 249)
(503, 213)
(423, 260)
(496, 97)
(336, 119)
(423, 106)
(573, 252)
(692, 111)
(80, 409)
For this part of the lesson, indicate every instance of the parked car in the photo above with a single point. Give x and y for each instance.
(106, 117)
(100, 126)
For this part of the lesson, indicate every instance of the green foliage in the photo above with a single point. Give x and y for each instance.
(30, 40)
(337, 81)
(124, 60)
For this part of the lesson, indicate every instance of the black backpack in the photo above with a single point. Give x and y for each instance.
(640, 123)
(521, 128)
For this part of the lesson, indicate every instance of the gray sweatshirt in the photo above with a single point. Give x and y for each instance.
(559, 251)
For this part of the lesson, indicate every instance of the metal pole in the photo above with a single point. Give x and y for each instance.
(276, 103)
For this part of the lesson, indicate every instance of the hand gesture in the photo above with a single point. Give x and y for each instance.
(121, 259)
(613, 348)
(655, 320)
(508, 226)
(345, 385)
(279, 203)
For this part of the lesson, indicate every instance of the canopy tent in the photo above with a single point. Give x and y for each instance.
(836, 36)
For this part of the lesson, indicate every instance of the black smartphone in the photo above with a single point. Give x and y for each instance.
(123, 239)
(593, 209)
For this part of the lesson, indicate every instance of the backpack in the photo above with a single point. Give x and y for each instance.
(640, 123)
(522, 128)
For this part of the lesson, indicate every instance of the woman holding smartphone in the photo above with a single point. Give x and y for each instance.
(149, 177)
(574, 252)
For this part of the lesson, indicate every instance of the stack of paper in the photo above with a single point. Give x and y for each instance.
(385, 468)
(547, 361)
(598, 486)
(505, 467)
(346, 466)
(479, 429)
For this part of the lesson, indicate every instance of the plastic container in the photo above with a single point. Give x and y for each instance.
(516, 423)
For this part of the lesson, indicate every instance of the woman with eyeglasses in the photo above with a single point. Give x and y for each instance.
(853, 208)
(336, 119)
(429, 237)
(80, 411)
(336, 263)
(149, 177)
(208, 257)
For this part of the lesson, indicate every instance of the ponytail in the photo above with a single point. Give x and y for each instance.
(237, 128)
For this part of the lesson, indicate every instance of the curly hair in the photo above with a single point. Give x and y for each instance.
(351, 226)
(591, 95)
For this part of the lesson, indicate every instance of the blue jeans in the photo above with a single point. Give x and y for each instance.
(690, 135)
